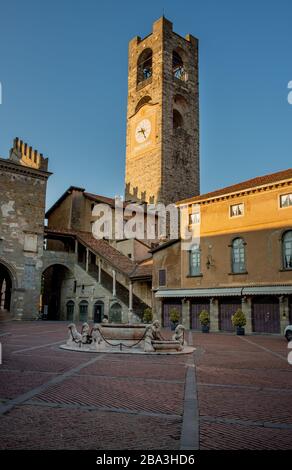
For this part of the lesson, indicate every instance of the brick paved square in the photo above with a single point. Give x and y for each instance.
(56, 399)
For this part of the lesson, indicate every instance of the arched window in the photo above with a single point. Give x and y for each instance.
(144, 66)
(195, 260)
(70, 310)
(178, 69)
(142, 102)
(83, 310)
(177, 119)
(238, 256)
(287, 250)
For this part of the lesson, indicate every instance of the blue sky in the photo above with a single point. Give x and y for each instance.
(63, 69)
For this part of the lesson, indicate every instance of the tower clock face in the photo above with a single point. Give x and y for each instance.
(142, 131)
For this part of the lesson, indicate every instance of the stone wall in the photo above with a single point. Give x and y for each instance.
(22, 210)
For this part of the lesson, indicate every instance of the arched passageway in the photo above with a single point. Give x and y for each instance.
(54, 280)
(5, 288)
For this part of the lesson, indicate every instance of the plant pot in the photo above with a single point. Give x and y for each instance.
(240, 330)
(205, 328)
(173, 325)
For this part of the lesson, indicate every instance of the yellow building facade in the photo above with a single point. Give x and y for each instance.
(240, 257)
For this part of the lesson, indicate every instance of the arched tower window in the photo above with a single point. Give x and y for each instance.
(178, 69)
(287, 250)
(238, 255)
(144, 66)
(177, 119)
(142, 102)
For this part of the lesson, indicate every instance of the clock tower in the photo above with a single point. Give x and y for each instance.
(162, 155)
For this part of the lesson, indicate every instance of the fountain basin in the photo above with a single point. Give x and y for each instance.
(166, 346)
(126, 333)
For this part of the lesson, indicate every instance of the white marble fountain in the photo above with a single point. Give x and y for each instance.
(136, 338)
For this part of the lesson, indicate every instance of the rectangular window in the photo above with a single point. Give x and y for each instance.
(286, 200)
(162, 277)
(195, 261)
(194, 218)
(236, 210)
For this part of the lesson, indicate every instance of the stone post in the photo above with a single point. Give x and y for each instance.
(157, 312)
(114, 283)
(186, 313)
(214, 315)
(87, 260)
(130, 298)
(99, 270)
(246, 309)
(76, 250)
(284, 312)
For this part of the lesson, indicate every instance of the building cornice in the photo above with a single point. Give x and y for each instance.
(238, 194)
(6, 164)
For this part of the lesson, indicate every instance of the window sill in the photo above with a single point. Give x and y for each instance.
(283, 270)
(238, 274)
(145, 82)
(194, 275)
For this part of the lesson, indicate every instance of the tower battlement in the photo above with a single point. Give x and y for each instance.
(25, 155)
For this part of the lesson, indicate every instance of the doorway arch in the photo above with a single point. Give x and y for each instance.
(54, 280)
(98, 311)
(6, 285)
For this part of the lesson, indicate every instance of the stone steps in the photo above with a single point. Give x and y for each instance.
(5, 315)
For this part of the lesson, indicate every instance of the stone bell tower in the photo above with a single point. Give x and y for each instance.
(162, 155)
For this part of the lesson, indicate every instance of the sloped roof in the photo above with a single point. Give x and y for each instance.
(110, 254)
(97, 198)
(244, 185)
(143, 270)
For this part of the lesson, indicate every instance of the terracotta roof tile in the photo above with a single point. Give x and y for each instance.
(103, 248)
(244, 185)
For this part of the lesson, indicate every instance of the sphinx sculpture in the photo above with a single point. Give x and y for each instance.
(85, 333)
(75, 338)
(179, 335)
(96, 335)
(152, 333)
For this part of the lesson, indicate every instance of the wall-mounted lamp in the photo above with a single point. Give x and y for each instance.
(209, 262)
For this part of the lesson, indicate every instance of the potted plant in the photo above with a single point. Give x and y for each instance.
(174, 317)
(239, 321)
(147, 315)
(204, 318)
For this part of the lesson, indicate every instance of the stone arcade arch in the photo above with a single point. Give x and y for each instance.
(54, 280)
(6, 286)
